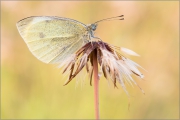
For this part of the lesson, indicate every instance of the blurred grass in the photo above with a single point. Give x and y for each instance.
(31, 89)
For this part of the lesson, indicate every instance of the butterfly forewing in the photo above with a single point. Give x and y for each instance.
(52, 39)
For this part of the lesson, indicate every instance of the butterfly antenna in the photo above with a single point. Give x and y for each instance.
(112, 18)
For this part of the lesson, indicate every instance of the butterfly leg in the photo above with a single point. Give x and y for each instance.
(97, 38)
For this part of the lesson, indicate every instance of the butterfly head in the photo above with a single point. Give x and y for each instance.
(93, 27)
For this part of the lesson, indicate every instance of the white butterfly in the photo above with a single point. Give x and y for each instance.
(53, 39)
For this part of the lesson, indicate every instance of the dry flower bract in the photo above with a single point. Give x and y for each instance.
(115, 66)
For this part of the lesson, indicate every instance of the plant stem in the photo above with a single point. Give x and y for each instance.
(96, 84)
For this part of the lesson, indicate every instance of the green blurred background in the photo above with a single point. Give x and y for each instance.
(31, 89)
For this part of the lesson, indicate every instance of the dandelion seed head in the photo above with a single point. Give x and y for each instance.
(114, 66)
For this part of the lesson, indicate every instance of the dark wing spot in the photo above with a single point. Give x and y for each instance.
(41, 35)
(47, 21)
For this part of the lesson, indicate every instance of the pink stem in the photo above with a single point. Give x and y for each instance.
(96, 85)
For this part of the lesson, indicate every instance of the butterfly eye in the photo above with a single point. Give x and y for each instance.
(93, 26)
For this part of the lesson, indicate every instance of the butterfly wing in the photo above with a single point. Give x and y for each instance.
(52, 39)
